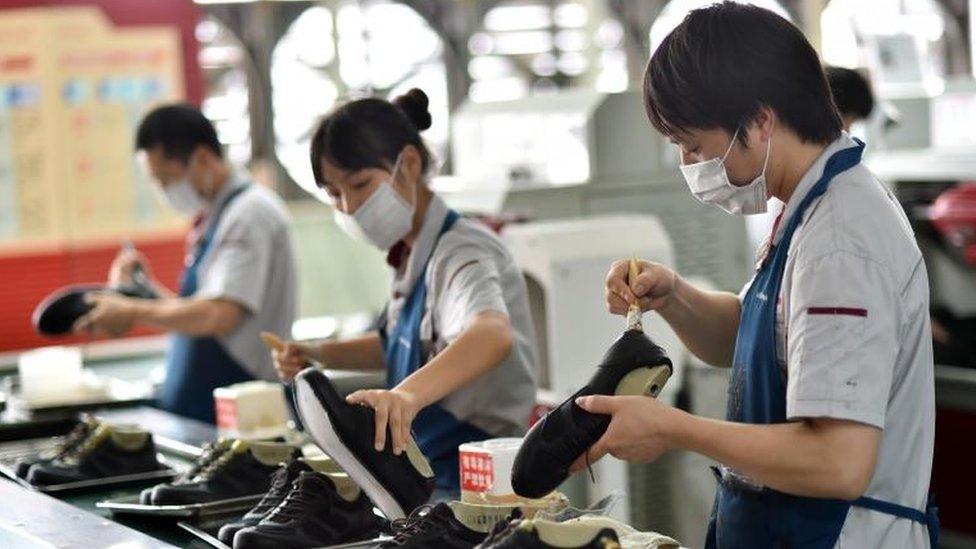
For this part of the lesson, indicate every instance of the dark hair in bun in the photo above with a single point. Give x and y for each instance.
(414, 104)
(370, 133)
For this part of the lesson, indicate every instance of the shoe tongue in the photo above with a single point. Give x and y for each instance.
(286, 475)
(314, 480)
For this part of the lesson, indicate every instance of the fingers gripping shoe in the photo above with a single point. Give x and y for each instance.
(397, 484)
(634, 365)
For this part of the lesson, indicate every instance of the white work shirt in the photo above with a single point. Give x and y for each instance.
(854, 339)
(252, 263)
(471, 272)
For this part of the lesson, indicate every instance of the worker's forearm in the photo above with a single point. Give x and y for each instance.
(706, 322)
(360, 353)
(189, 316)
(163, 291)
(798, 458)
(482, 346)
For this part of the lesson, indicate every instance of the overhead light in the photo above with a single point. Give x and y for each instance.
(522, 43)
(518, 17)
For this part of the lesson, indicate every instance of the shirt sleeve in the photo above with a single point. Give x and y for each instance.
(239, 265)
(842, 339)
(470, 285)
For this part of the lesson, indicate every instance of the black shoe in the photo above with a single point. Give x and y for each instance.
(57, 313)
(433, 527)
(109, 451)
(314, 514)
(243, 470)
(208, 455)
(634, 365)
(543, 534)
(396, 484)
(72, 440)
(281, 484)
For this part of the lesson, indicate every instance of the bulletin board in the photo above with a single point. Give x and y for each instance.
(75, 80)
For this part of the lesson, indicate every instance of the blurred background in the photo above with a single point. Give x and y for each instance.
(539, 130)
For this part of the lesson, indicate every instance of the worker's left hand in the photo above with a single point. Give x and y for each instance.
(113, 315)
(638, 428)
(395, 408)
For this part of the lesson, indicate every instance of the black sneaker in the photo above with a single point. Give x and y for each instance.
(319, 510)
(210, 453)
(69, 442)
(543, 534)
(455, 525)
(57, 313)
(634, 365)
(243, 470)
(396, 484)
(281, 484)
(109, 451)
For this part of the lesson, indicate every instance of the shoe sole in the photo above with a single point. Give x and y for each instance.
(319, 424)
(644, 381)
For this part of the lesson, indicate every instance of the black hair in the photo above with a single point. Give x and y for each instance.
(726, 61)
(179, 129)
(370, 133)
(852, 93)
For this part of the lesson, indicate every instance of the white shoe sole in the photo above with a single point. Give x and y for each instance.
(319, 425)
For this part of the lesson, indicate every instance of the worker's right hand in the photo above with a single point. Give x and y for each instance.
(292, 359)
(120, 273)
(652, 288)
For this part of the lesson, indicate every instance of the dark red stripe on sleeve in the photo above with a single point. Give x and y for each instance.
(844, 311)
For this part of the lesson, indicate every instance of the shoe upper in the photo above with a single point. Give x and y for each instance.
(235, 473)
(75, 437)
(312, 514)
(565, 433)
(210, 452)
(107, 452)
(281, 483)
(432, 527)
(355, 426)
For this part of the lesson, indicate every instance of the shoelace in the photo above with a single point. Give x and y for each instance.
(295, 504)
(214, 467)
(211, 451)
(420, 521)
(72, 439)
(75, 454)
(277, 492)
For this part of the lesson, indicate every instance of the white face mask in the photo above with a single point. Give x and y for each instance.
(709, 183)
(183, 198)
(383, 219)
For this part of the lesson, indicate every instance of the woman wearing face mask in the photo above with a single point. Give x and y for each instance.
(456, 334)
(830, 421)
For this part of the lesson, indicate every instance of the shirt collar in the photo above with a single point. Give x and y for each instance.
(234, 180)
(809, 179)
(423, 247)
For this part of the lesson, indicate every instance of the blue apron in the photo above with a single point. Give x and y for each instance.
(748, 516)
(437, 432)
(195, 366)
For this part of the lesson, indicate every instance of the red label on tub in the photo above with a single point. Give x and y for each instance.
(226, 413)
(477, 471)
